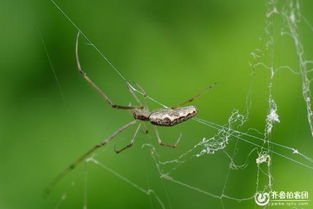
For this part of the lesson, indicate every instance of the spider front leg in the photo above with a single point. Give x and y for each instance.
(104, 96)
(141, 91)
(166, 145)
(131, 90)
(131, 142)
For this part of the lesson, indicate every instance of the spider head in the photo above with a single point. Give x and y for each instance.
(141, 114)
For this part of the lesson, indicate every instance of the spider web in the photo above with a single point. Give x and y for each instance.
(259, 147)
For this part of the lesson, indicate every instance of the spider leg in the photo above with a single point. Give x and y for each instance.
(194, 97)
(141, 91)
(131, 142)
(104, 96)
(163, 144)
(88, 153)
(145, 95)
(130, 88)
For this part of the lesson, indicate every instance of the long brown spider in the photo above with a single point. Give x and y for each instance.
(159, 117)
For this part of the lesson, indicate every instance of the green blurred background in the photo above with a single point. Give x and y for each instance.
(173, 49)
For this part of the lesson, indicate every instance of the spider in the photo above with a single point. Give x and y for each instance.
(159, 117)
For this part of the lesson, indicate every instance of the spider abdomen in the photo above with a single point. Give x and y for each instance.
(171, 117)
